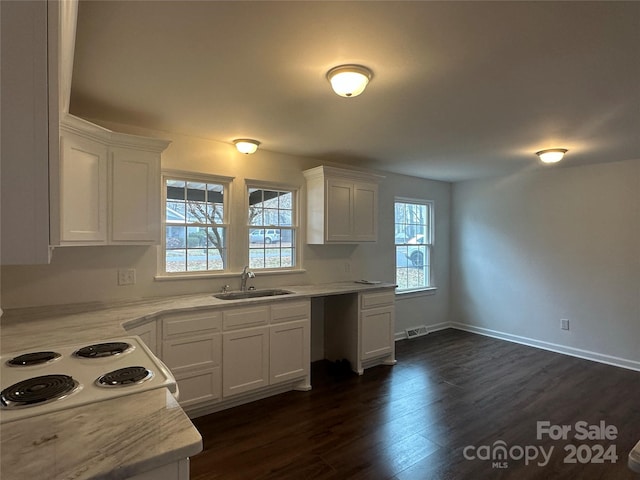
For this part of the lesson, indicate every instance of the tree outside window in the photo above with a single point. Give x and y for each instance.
(413, 243)
(195, 226)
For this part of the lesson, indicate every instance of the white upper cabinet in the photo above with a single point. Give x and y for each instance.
(83, 190)
(108, 190)
(29, 111)
(342, 205)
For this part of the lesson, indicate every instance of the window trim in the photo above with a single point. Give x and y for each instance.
(295, 227)
(431, 286)
(189, 176)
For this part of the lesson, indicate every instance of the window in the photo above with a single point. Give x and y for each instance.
(413, 243)
(272, 228)
(195, 225)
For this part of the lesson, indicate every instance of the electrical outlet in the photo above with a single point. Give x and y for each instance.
(564, 323)
(347, 267)
(126, 276)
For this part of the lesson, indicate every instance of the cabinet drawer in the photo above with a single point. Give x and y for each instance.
(203, 351)
(287, 311)
(245, 317)
(377, 299)
(180, 324)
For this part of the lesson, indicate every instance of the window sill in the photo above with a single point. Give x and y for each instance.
(418, 292)
(209, 275)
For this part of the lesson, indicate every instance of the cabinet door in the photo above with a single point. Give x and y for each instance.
(148, 334)
(339, 211)
(83, 190)
(29, 120)
(376, 332)
(135, 194)
(365, 212)
(289, 351)
(199, 387)
(245, 360)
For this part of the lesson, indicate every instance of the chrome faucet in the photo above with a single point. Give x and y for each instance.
(246, 273)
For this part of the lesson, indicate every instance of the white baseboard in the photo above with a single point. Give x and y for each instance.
(553, 347)
(531, 342)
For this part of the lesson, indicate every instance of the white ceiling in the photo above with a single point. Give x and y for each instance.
(460, 90)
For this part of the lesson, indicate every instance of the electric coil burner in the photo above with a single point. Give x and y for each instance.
(68, 376)
(124, 377)
(38, 390)
(35, 358)
(100, 350)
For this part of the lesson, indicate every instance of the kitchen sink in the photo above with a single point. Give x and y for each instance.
(251, 294)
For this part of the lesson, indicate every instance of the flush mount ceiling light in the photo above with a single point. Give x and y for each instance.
(551, 155)
(349, 80)
(246, 145)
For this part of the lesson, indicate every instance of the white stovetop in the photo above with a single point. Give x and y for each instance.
(85, 371)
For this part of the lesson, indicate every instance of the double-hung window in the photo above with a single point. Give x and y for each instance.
(413, 243)
(195, 223)
(272, 227)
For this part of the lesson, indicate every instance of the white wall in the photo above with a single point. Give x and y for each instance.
(88, 274)
(533, 248)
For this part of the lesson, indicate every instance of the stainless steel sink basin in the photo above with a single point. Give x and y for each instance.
(272, 292)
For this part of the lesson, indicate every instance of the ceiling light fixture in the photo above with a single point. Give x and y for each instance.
(349, 80)
(551, 155)
(246, 145)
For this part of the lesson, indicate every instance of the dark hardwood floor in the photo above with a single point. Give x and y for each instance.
(449, 390)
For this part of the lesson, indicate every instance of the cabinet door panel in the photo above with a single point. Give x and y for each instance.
(289, 351)
(135, 196)
(148, 333)
(365, 212)
(339, 210)
(199, 386)
(245, 364)
(376, 332)
(83, 190)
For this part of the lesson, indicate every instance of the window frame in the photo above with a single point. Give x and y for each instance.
(186, 176)
(429, 243)
(295, 223)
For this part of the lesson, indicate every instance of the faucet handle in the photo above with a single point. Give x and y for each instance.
(225, 289)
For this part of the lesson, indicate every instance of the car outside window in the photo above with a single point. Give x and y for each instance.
(272, 227)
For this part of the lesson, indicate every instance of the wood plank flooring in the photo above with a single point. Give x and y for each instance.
(449, 390)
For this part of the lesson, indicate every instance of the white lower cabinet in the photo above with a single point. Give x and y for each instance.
(192, 349)
(377, 325)
(289, 351)
(148, 333)
(290, 343)
(360, 328)
(245, 360)
(224, 353)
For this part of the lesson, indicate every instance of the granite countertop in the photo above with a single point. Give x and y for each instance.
(105, 440)
(29, 328)
(85, 442)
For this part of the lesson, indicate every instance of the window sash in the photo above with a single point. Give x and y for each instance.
(201, 242)
(272, 228)
(413, 243)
